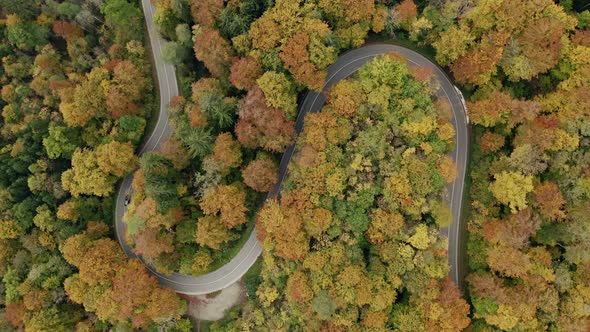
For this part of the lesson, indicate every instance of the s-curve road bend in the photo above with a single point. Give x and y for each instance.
(245, 258)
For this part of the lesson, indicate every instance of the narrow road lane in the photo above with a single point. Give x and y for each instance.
(346, 65)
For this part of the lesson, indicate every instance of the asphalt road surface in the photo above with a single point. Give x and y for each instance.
(346, 65)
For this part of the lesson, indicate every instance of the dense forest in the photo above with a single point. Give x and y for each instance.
(76, 93)
(354, 238)
(353, 242)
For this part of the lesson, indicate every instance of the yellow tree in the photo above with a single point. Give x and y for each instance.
(86, 177)
(211, 232)
(511, 188)
(116, 158)
(228, 201)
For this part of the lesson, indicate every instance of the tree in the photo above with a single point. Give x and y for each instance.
(508, 261)
(514, 231)
(220, 111)
(261, 174)
(85, 176)
(262, 126)
(447, 168)
(227, 151)
(492, 110)
(101, 262)
(491, 142)
(160, 181)
(407, 11)
(175, 53)
(298, 59)
(150, 243)
(205, 12)
(228, 201)
(87, 100)
(214, 51)
(27, 9)
(511, 188)
(453, 308)
(124, 18)
(67, 30)
(25, 35)
(550, 201)
(535, 51)
(244, 72)
(280, 227)
(211, 232)
(346, 96)
(298, 289)
(479, 64)
(116, 158)
(61, 142)
(141, 300)
(323, 305)
(452, 44)
(174, 151)
(279, 92)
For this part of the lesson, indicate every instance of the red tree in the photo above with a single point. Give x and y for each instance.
(262, 126)
(244, 72)
(261, 175)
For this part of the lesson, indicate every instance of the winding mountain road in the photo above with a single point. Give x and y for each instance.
(346, 65)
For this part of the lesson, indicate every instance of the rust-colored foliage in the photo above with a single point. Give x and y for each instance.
(131, 288)
(550, 200)
(581, 37)
(15, 314)
(227, 151)
(298, 289)
(490, 111)
(151, 243)
(120, 105)
(262, 126)
(453, 308)
(227, 200)
(205, 11)
(261, 174)
(67, 30)
(197, 118)
(295, 54)
(406, 10)
(514, 231)
(281, 226)
(102, 261)
(491, 142)
(175, 151)
(479, 63)
(244, 72)
(214, 51)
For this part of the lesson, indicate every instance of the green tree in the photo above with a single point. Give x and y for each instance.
(61, 142)
(124, 18)
(161, 181)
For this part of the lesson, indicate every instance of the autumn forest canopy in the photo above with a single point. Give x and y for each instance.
(352, 239)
